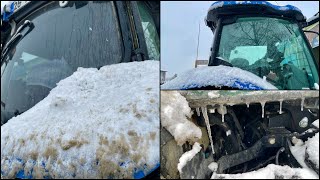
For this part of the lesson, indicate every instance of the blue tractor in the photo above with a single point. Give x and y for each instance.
(256, 45)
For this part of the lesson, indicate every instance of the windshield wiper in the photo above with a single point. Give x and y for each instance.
(16, 38)
(13, 41)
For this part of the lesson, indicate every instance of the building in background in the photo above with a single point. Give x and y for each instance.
(313, 38)
(201, 63)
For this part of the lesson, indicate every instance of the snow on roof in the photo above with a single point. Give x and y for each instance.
(175, 112)
(94, 124)
(5, 3)
(7, 8)
(220, 4)
(217, 76)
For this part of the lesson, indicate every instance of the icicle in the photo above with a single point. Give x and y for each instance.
(280, 110)
(302, 103)
(206, 119)
(248, 104)
(222, 117)
(198, 111)
(213, 110)
(228, 132)
(262, 106)
(222, 110)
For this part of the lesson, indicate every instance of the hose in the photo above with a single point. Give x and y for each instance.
(271, 158)
(277, 156)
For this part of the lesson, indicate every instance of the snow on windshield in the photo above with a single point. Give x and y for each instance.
(94, 124)
(217, 76)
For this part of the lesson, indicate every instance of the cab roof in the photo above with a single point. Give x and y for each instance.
(233, 8)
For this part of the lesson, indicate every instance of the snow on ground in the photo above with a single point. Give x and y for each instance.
(217, 76)
(312, 149)
(213, 166)
(187, 156)
(316, 123)
(175, 112)
(271, 171)
(311, 146)
(94, 124)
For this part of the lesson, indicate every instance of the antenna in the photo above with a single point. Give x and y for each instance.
(198, 42)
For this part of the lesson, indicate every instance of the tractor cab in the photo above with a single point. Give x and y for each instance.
(264, 39)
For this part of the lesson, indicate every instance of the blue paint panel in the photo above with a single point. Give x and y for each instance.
(233, 3)
(246, 85)
(157, 166)
(6, 15)
(236, 84)
(20, 174)
(139, 174)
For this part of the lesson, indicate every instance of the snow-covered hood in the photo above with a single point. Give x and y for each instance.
(94, 124)
(218, 76)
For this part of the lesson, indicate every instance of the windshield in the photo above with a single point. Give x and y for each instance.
(150, 31)
(271, 48)
(85, 34)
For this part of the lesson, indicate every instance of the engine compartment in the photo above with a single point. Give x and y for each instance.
(246, 137)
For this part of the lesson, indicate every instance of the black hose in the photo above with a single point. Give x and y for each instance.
(277, 156)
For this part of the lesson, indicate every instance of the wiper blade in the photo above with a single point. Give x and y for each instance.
(12, 41)
(27, 23)
(16, 38)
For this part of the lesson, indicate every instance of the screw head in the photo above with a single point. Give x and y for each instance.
(272, 140)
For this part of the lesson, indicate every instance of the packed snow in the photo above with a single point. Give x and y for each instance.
(94, 124)
(175, 112)
(311, 147)
(187, 156)
(217, 76)
(271, 171)
(213, 166)
(216, 5)
(220, 4)
(316, 123)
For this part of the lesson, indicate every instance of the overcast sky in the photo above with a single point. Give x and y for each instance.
(180, 26)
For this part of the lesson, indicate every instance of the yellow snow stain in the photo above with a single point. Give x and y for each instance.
(73, 143)
(50, 152)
